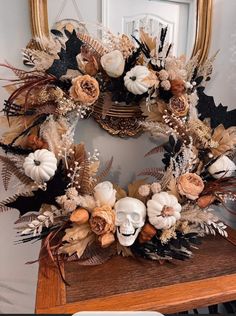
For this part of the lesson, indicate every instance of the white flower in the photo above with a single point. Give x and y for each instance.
(222, 167)
(144, 190)
(105, 194)
(113, 63)
(163, 210)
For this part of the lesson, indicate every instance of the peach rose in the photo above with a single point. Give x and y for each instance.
(190, 185)
(179, 106)
(84, 89)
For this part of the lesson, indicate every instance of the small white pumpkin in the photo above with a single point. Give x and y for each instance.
(222, 167)
(134, 80)
(40, 165)
(163, 210)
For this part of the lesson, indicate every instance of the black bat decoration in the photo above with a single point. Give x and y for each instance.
(67, 56)
(55, 187)
(218, 114)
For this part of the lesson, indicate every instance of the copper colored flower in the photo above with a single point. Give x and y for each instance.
(102, 220)
(190, 185)
(177, 87)
(179, 106)
(84, 89)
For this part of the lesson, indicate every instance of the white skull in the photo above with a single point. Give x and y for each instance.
(130, 218)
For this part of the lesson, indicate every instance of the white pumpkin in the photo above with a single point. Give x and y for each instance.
(134, 80)
(163, 210)
(222, 167)
(40, 165)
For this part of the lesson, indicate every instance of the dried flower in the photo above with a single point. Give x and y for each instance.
(113, 63)
(71, 193)
(144, 190)
(102, 220)
(155, 187)
(179, 106)
(163, 75)
(166, 85)
(190, 185)
(85, 89)
(177, 87)
(69, 206)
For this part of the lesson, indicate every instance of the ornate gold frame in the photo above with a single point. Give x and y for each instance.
(40, 29)
(125, 123)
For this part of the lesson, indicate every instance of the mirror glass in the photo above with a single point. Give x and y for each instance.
(127, 16)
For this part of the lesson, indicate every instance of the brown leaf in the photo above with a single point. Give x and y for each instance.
(134, 187)
(120, 193)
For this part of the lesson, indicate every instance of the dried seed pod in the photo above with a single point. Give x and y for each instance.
(79, 216)
(106, 240)
(206, 200)
(148, 231)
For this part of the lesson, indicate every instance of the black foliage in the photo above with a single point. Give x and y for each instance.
(173, 249)
(131, 60)
(16, 150)
(55, 187)
(162, 39)
(165, 95)
(172, 148)
(143, 47)
(57, 33)
(218, 114)
(67, 56)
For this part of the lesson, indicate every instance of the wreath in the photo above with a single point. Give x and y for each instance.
(63, 197)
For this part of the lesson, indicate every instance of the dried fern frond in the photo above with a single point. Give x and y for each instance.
(157, 129)
(13, 169)
(85, 181)
(156, 173)
(6, 176)
(104, 173)
(155, 150)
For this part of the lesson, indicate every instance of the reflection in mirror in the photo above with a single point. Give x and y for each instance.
(123, 17)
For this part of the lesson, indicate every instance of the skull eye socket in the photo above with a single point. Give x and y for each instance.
(135, 217)
(120, 216)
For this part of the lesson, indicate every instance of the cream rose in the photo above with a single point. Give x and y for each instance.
(113, 63)
(222, 167)
(190, 185)
(105, 194)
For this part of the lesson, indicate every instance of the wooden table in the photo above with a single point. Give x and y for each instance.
(127, 284)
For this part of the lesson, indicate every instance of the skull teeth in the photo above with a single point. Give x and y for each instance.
(127, 235)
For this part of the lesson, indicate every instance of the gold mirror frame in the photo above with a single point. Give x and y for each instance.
(115, 124)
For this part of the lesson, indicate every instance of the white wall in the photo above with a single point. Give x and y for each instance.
(17, 281)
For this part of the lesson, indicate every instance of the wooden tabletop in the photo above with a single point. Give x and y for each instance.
(129, 284)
